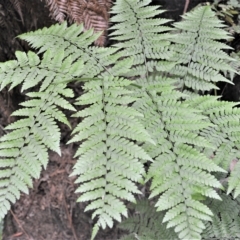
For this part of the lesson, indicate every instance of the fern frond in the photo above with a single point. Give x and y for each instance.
(146, 223)
(24, 150)
(199, 55)
(130, 131)
(29, 70)
(96, 16)
(109, 159)
(75, 10)
(175, 127)
(226, 221)
(76, 43)
(223, 116)
(223, 135)
(58, 9)
(141, 37)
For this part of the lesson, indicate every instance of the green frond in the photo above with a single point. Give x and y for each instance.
(24, 150)
(30, 71)
(178, 161)
(224, 133)
(226, 221)
(77, 43)
(146, 224)
(109, 159)
(141, 37)
(199, 55)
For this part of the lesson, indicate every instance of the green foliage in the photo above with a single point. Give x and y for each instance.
(109, 160)
(141, 37)
(226, 221)
(77, 44)
(145, 223)
(143, 120)
(24, 149)
(175, 126)
(199, 55)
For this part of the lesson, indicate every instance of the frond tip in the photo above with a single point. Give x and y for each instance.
(141, 36)
(199, 53)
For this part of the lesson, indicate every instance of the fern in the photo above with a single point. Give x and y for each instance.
(146, 39)
(179, 166)
(146, 224)
(109, 162)
(199, 54)
(24, 149)
(173, 168)
(175, 127)
(77, 43)
(226, 222)
(108, 126)
(223, 134)
(226, 126)
(137, 125)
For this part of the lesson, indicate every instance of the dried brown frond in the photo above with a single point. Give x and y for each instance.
(106, 3)
(92, 13)
(96, 16)
(58, 9)
(75, 10)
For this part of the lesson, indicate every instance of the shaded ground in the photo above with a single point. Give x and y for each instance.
(50, 211)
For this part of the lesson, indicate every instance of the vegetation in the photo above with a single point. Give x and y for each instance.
(148, 115)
